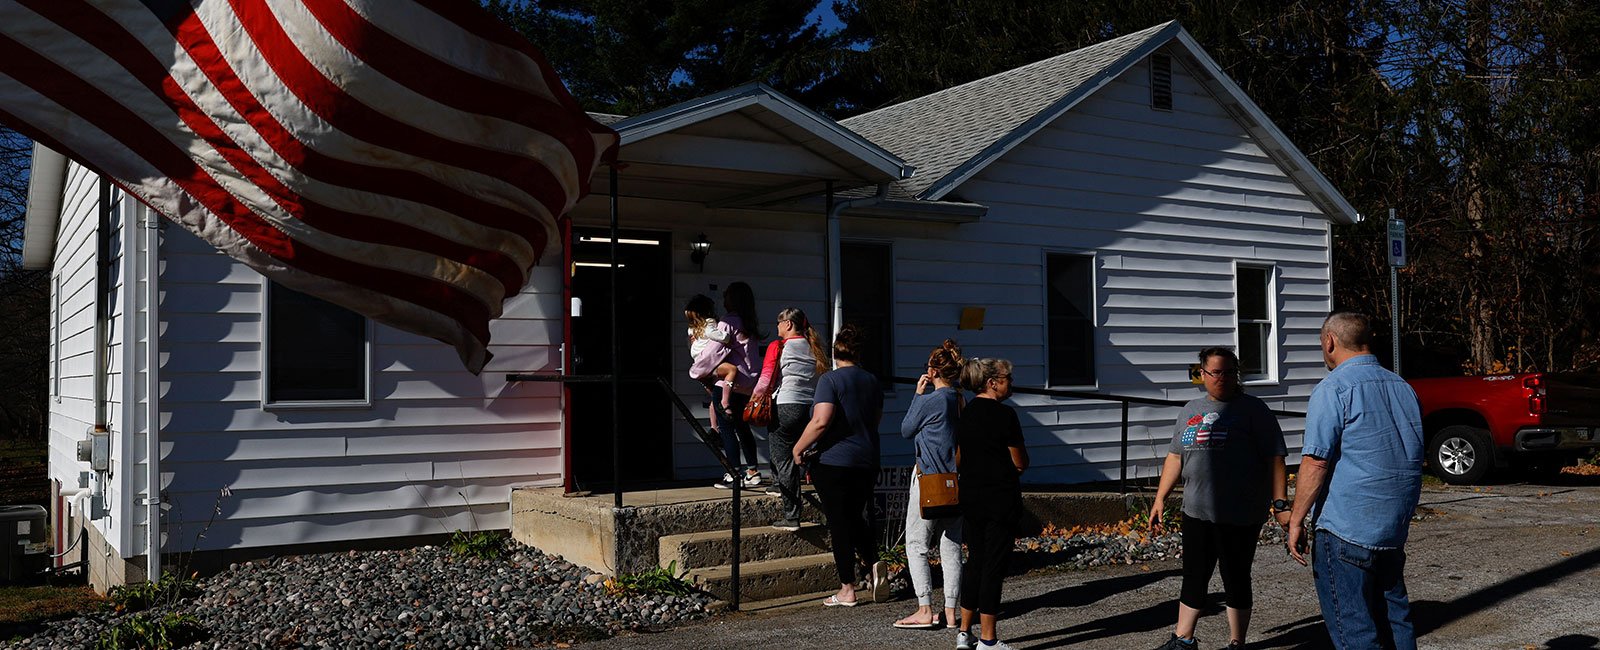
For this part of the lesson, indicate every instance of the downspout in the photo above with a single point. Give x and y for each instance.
(152, 403)
(102, 305)
(835, 282)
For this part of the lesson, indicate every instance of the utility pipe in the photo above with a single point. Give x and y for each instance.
(152, 402)
(836, 283)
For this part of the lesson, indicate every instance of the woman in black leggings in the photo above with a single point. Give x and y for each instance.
(844, 430)
(990, 458)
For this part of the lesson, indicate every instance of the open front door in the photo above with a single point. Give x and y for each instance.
(646, 325)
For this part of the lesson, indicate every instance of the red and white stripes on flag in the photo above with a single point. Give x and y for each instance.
(405, 159)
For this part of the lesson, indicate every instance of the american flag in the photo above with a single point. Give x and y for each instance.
(406, 159)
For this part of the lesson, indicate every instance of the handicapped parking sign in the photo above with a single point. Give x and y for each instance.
(1397, 242)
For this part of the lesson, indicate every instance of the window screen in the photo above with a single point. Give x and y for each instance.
(1070, 306)
(317, 351)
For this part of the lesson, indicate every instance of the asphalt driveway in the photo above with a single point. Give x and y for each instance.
(1514, 566)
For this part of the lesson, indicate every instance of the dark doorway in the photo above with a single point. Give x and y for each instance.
(646, 326)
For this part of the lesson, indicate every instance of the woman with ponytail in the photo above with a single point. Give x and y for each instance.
(789, 374)
(930, 423)
(844, 429)
(990, 458)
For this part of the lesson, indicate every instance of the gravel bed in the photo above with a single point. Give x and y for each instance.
(416, 598)
(1102, 549)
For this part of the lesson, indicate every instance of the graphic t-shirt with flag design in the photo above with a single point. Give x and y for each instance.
(1226, 448)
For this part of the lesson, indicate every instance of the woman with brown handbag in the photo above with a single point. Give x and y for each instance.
(930, 423)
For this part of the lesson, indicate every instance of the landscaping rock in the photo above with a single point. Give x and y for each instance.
(423, 597)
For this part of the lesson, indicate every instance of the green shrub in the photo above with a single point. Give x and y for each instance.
(664, 581)
(170, 589)
(146, 632)
(482, 544)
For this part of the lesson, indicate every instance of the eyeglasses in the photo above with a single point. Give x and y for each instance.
(1230, 372)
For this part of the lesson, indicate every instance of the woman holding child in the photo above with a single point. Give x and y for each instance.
(724, 353)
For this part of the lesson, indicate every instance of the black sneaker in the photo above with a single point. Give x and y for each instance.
(725, 484)
(1175, 643)
(788, 525)
(1236, 645)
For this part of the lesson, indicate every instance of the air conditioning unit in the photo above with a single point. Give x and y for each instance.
(23, 551)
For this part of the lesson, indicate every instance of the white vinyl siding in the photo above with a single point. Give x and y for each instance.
(72, 373)
(1169, 202)
(438, 449)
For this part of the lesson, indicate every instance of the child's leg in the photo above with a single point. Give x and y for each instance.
(727, 373)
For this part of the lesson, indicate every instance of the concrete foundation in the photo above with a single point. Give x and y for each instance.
(590, 532)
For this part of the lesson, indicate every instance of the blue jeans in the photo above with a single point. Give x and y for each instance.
(1363, 595)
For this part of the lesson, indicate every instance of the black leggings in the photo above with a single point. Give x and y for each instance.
(989, 538)
(736, 434)
(1205, 544)
(844, 492)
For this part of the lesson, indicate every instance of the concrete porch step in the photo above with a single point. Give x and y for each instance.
(769, 579)
(713, 548)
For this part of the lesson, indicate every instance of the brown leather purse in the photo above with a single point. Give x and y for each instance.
(940, 495)
(759, 410)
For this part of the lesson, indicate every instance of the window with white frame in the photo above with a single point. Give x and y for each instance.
(317, 353)
(1253, 292)
(1069, 307)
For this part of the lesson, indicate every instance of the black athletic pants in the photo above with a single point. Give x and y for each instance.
(1205, 545)
(844, 492)
(989, 534)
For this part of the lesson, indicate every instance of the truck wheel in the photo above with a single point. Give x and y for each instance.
(1461, 455)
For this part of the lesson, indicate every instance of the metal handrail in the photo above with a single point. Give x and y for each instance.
(1125, 400)
(701, 434)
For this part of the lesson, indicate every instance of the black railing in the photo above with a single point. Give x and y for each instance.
(713, 444)
(1125, 400)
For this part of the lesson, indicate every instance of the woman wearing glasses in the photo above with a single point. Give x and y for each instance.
(1229, 450)
(990, 459)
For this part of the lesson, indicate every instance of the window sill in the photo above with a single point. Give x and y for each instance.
(341, 405)
(1259, 381)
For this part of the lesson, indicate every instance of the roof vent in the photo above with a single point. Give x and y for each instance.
(1161, 82)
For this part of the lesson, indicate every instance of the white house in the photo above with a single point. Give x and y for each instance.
(1110, 210)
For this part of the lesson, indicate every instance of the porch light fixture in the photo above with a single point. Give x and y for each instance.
(698, 250)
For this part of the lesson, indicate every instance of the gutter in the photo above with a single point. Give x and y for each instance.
(46, 180)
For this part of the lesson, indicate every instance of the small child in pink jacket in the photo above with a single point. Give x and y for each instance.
(710, 343)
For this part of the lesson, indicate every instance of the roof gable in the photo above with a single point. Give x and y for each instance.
(953, 134)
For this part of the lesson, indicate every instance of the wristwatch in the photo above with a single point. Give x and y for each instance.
(1280, 505)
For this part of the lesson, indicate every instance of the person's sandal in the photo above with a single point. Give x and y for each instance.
(833, 601)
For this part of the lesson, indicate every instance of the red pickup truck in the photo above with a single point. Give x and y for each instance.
(1475, 424)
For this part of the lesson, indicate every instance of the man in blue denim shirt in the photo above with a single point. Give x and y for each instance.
(1362, 470)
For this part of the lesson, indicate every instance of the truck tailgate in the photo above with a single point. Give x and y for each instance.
(1572, 399)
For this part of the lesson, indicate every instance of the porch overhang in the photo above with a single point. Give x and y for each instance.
(746, 147)
(46, 180)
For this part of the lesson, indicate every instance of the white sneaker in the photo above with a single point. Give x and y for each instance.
(752, 480)
(964, 640)
(726, 483)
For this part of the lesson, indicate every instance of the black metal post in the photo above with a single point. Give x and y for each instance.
(733, 598)
(616, 360)
(1123, 483)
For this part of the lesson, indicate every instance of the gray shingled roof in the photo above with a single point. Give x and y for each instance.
(941, 132)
